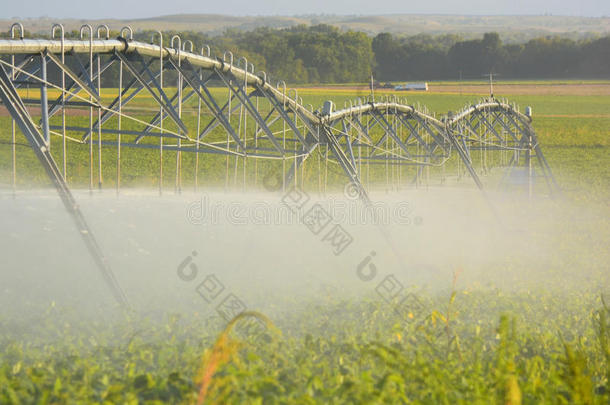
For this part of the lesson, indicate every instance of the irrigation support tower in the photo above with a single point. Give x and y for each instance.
(250, 119)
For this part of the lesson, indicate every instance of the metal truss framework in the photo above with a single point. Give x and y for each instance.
(249, 119)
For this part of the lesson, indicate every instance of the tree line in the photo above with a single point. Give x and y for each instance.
(446, 57)
(325, 54)
(317, 54)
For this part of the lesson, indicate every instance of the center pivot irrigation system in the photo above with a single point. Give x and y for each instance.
(221, 108)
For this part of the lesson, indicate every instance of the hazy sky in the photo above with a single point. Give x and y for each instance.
(94, 9)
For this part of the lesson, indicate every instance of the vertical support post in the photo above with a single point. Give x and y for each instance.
(256, 146)
(44, 102)
(296, 124)
(368, 150)
(241, 111)
(459, 161)
(400, 152)
(418, 129)
(14, 150)
(160, 113)
(228, 144)
(63, 95)
(230, 54)
(91, 123)
(325, 167)
(118, 138)
(243, 122)
(99, 125)
(177, 186)
(529, 165)
(82, 29)
(304, 157)
(118, 143)
(13, 137)
(99, 110)
(360, 151)
(284, 139)
(393, 124)
(198, 129)
(427, 160)
(319, 171)
(482, 132)
(245, 159)
(387, 160)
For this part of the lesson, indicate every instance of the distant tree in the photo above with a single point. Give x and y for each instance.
(549, 57)
(389, 57)
(477, 57)
(595, 58)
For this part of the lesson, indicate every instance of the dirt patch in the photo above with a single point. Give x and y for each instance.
(560, 89)
(35, 112)
(574, 115)
(527, 89)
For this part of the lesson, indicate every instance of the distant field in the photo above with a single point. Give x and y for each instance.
(511, 89)
(504, 88)
(517, 27)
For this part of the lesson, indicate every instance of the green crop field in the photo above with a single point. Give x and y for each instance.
(537, 332)
(562, 122)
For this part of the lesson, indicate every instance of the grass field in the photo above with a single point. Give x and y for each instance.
(573, 130)
(527, 326)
